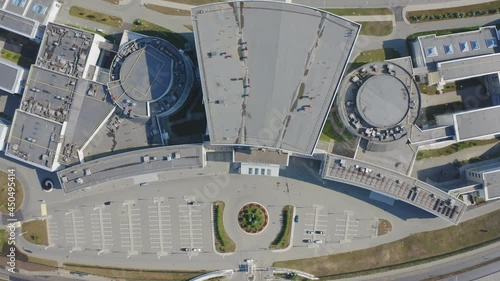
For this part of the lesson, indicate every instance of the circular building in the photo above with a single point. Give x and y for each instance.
(382, 101)
(379, 101)
(149, 76)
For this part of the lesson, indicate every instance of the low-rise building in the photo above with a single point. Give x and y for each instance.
(28, 17)
(489, 177)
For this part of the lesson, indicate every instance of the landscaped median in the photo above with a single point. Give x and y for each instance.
(95, 16)
(223, 243)
(476, 10)
(282, 241)
(413, 250)
(7, 195)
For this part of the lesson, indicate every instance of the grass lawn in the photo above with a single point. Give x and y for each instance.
(3, 237)
(195, 2)
(151, 29)
(167, 10)
(329, 133)
(95, 16)
(16, 58)
(282, 241)
(414, 249)
(133, 274)
(223, 243)
(432, 90)
(374, 55)
(36, 232)
(4, 193)
(360, 11)
(384, 227)
(454, 148)
(376, 28)
(477, 10)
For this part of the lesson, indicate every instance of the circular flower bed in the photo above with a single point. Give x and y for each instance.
(253, 218)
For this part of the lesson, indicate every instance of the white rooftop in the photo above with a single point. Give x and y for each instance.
(269, 71)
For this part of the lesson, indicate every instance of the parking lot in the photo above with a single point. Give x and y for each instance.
(147, 226)
(323, 225)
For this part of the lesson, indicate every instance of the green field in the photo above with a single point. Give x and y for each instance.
(415, 249)
(16, 58)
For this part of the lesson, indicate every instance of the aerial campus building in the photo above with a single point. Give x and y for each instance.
(28, 17)
(461, 56)
(64, 106)
(269, 71)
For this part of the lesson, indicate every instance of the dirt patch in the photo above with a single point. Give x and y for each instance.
(384, 227)
(36, 232)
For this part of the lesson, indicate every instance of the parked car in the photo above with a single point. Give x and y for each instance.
(185, 249)
(319, 232)
(196, 250)
(309, 232)
(318, 241)
(307, 240)
(107, 203)
(296, 219)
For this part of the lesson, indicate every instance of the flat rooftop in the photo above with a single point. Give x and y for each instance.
(383, 101)
(260, 156)
(492, 183)
(130, 164)
(469, 67)
(491, 178)
(268, 71)
(24, 17)
(34, 139)
(65, 49)
(80, 104)
(395, 185)
(11, 76)
(459, 45)
(477, 123)
(18, 24)
(149, 76)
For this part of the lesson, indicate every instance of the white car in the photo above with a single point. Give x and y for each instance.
(318, 241)
(196, 250)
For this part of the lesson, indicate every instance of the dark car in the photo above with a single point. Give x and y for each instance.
(107, 203)
(296, 219)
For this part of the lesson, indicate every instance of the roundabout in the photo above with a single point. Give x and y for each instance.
(253, 218)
